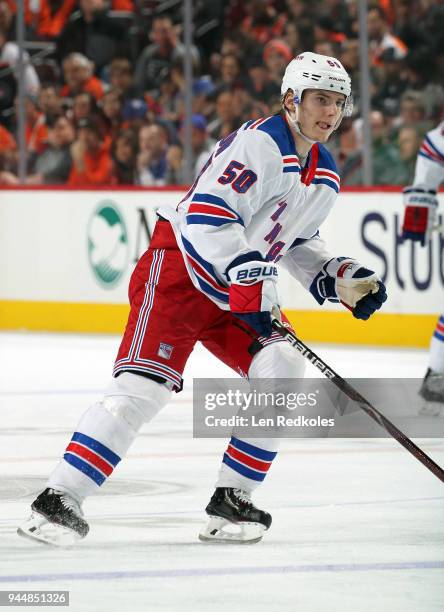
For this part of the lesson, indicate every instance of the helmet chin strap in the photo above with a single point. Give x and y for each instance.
(293, 121)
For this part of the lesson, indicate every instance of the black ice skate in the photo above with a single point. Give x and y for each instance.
(56, 519)
(234, 518)
(432, 391)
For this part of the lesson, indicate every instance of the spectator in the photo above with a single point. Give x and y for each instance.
(350, 56)
(344, 144)
(36, 131)
(412, 112)
(385, 155)
(326, 31)
(339, 14)
(259, 85)
(203, 96)
(159, 56)
(381, 38)
(92, 32)
(350, 59)
(50, 102)
(124, 156)
(152, 157)
(8, 151)
(292, 37)
(9, 57)
(391, 84)
(7, 22)
(409, 141)
(230, 72)
(48, 17)
(92, 164)
(121, 78)
(263, 22)
(257, 110)
(84, 106)
(111, 107)
(408, 23)
(277, 54)
(134, 114)
(78, 75)
(53, 166)
(232, 43)
(175, 172)
(326, 47)
(227, 119)
(201, 145)
(172, 94)
(300, 13)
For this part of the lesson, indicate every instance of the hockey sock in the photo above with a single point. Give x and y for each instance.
(245, 464)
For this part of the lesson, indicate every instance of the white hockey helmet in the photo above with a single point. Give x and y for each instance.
(313, 71)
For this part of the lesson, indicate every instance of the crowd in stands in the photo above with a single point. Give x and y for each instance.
(105, 94)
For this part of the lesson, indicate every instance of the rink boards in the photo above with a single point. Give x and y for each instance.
(68, 255)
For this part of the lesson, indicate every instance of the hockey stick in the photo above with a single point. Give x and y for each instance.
(364, 404)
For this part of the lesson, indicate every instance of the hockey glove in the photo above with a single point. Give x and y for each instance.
(253, 291)
(420, 217)
(344, 280)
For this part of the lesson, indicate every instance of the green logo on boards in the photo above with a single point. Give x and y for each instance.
(107, 244)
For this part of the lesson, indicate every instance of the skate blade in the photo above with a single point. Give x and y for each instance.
(432, 409)
(39, 529)
(222, 531)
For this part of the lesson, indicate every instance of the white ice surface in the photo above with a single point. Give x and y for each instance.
(357, 524)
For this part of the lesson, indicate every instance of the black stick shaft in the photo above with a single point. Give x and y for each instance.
(364, 404)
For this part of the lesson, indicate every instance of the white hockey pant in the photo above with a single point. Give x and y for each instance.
(105, 433)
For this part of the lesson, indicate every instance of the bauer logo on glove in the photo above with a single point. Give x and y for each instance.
(252, 275)
(253, 291)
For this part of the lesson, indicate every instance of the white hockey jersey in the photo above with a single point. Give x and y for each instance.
(253, 195)
(429, 171)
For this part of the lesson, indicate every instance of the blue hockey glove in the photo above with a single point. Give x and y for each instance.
(344, 280)
(371, 302)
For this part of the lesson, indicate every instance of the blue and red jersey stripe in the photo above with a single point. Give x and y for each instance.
(209, 209)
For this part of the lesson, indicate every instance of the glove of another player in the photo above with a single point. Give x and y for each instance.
(253, 291)
(357, 288)
(420, 216)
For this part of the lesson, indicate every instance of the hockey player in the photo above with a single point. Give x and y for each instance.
(420, 218)
(210, 275)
